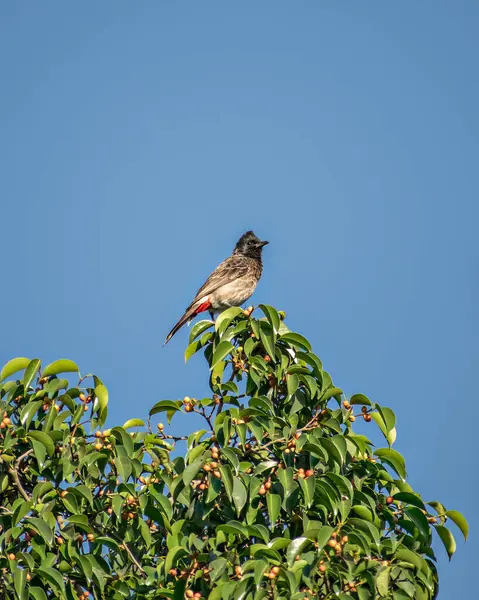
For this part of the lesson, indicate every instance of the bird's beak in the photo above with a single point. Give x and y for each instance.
(261, 244)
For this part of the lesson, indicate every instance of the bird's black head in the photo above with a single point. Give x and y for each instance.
(249, 245)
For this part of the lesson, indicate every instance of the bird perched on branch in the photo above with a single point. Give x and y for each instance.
(230, 284)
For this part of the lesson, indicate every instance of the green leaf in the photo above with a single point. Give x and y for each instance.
(292, 383)
(101, 401)
(382, 581)
(296, 340)
(262, 551)
(42, 528)
(307, 487)
(363, 512)
(232, 458)
(394, 459)
(165, 506)
(368, 528)
(191, 470)
(173, 555)
(86, 567)
(165, 405)
(360, 399)
(21, 510)
(409, 498)
(124, 467)
(199, 327)
(413, 558)
(60, 366)
(29, 411)
(266, 465)
(41, 489)
(321, 536)
(44, 439)
(273, 502)
(145, 532)
(227, 479)
(179, 593)
(134, 423)
(457, 518)
(221, 351)
(418, 518)
(272, 315)
(339, 444)
(240, 494)
(123, 439)
(37, 593)
(111, 543)
(197, 345)
(295, 548)
(195, 452)
(80, 520)
(331, 393)
(447, 539)
(217, 567)
(277, 543)
(85, 491)
(388, 416)
(438, 507)
(39, 452)
(379, 418)
(268, 338)
(53, 577)
(217, 373)
(260, 567)
(30, 372)
(234, 527)
(13, 366)
(19, 581)
(225, 318)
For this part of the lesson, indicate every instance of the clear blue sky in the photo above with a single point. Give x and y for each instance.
(140, 139)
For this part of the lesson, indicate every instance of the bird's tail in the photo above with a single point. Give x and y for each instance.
(189, 314)
(192, 310)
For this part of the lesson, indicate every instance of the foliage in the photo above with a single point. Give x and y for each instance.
(277, 497)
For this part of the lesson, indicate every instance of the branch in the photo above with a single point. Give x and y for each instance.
(133, 559)
(175, 437)
(14, 473)
(202, 412)
(22, 456)
(281, 440)
(123, 545)
(16, 480)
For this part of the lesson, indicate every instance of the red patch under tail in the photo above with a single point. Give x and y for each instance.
(202, 307)
(189, 314)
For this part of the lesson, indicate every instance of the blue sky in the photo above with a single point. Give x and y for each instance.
(139, 140)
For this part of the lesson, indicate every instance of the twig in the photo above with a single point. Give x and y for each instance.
(22, 456)
(124, 545)
(133, 559)
(176, 438)
(14, 473)
(215, 406)
(204, 415)
(278, 441)
(16, 480)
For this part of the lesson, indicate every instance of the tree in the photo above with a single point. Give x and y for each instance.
(277, 497)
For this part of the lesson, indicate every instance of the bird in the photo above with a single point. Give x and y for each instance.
(230, 284)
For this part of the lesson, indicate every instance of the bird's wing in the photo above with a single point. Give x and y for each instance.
(229, 270)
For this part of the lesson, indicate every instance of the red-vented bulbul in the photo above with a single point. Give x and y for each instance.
(230, 284)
